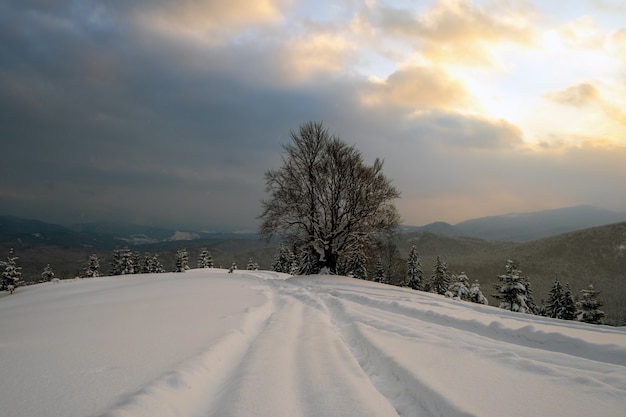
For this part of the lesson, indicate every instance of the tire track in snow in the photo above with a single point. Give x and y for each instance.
(185, 390)
(299, 366)
(410, 396)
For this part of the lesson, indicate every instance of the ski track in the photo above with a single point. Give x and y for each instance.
(322, 348)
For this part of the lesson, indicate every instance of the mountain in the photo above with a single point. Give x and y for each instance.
(523, 227)
(595, 256)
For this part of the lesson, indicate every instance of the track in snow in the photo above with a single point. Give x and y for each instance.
(328, 347)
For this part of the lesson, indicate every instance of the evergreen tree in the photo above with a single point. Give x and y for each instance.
(122, 262)
(12, 275)
(136, 259)
(309, 264)
(233, 267)
(93, 266)
(282, 263)
(47, 273)
(379, 270)
(358, 263)
(476, 295)
(511, 292)
(116, 262)
(459, 289)
(252, 266)
(530, 299)
(155, 265)
(181, 261)
(414, 275)
(205, 260)
(440, 280)
(568, 305)
(294, 267)
(554, 307)
(589, 306)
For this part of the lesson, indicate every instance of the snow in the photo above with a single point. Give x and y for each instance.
(211, 343)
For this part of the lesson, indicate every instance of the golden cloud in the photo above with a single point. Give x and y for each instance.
(317, 54)
(583, 33)
(577, 95)
(419, 88)
(211, 17)
(459, 31)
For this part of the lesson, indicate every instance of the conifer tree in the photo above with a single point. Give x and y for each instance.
(181, 261)
(233, 267)
(440, 280)
(282, 263)
(554, 306)
(294, 267)
(589, 306)
(459, 289)
(47, 274)
(93, 266)
(12, 275)
(136, 259)
(414, 275)
(568, 305)
(155, 265)
(476, 295)
(530, 299)
(511, 292)
(252, 266)
(379, 270)
(357, 267)
(205, 260)
(309, 264)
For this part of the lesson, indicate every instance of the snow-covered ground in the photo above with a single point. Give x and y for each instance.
(208, 343)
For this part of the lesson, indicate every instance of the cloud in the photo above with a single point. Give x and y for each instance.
(419, 88)
(577, 95)
(583, 33)
(208, 18)
(457, 31)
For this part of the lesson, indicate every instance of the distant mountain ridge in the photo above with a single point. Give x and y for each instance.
(524, 227)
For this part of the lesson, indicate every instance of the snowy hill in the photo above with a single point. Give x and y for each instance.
(209, 343)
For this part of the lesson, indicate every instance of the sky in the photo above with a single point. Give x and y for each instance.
(169, 113)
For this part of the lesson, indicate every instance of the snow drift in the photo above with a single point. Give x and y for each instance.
(209, 343)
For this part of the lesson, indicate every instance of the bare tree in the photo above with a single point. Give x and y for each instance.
(324, 200)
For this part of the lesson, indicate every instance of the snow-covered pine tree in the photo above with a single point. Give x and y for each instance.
(309, 262)
(155, 265)
(116, 262)
(459, 288)
(252, 266)
(414, 274)
(294, 266)
(511, 291)
(589, 306)
(136, 259)
(232, 268)
(476, 295)
(93, 266)
(533, 308)
(379, 270)
(554, 306)
(12, 275)
(128, 266)
(205, 260)
(440, 280)
(47, 273)
(282, 263)
(181, 263)
(568, 305)
(358, 263)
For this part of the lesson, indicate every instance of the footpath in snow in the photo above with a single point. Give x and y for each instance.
(208, 343)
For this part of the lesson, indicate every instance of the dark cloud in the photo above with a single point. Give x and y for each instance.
(104, 116)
